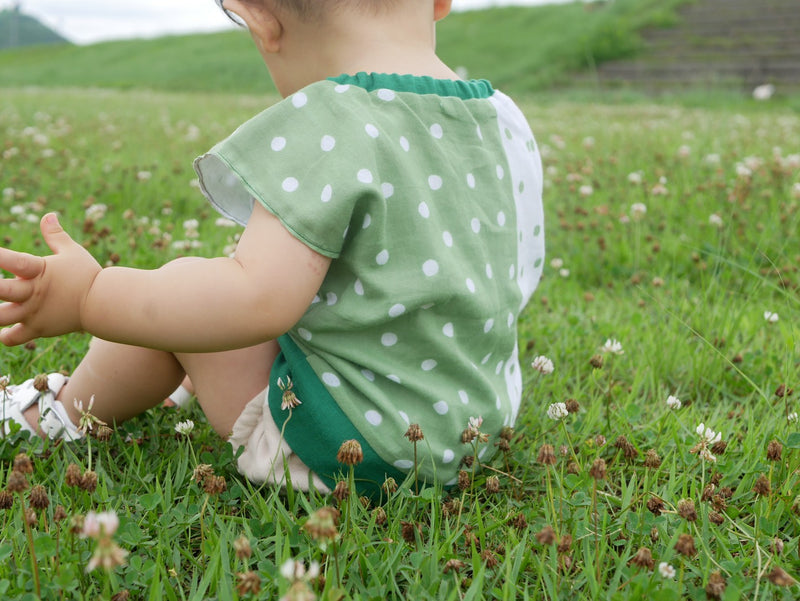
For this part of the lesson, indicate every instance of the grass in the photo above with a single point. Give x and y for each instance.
(685, 293)
(518, 48)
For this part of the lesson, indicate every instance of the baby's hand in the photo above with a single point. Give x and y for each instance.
(46, 297)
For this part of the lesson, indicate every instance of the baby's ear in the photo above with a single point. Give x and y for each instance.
(264, 25)
(441, 8)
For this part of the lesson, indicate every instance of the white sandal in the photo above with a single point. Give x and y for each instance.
(182, 398)
(53, 419)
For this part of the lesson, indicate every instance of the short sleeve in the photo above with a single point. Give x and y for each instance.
(297, 160)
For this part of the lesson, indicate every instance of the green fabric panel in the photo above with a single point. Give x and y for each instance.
(318, 427)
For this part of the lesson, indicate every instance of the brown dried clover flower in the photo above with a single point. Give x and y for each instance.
(716, 586)
(38, 497)
(389, 486)
(89, 481)
(23, 464)
(492, 485)
(687, 510)
(779, 577)
(547, 455)
(489, 559)
(248, 583)
(718, 448)
(380, 516)
(715, 518)
(624, 445)
(774, 450)
(655, 505)
(564, 544)
(17, 482)
(598, 469)
(643, 558)
(651, 459)
(464, 480)
(762, 486)
(73, 475)
(215, 485)
(202, 472)
(546, 536)
(6, 499)
(350, 453)
(60, 514)
(414, 433)
(409, 531)
(453, 565)
(341, 491)
(242, 548)
(518, 521)
(572, 405)
(685, 545)
(40, 383)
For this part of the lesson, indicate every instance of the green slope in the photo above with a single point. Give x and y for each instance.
(519, 49)
(18, 29)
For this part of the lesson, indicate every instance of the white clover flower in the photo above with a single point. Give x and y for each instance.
(715, 220)
(100, 524)
(796, 191)
(184, 427)
(712, 159)
(743, 171)
(96, 211)
(707, 455)
(763, 92)
(674, 403)
(792, 417)
(586, 190)
(557, 411)
(144, 176)
(684, 151)
(543, 365)
(666, 570)
(191, 224)
(613, 346)
(287, 569)
(557, 263)
(638, 211)
(635, 177)
(564, 273)
(225, 222)
(659, 190)
(708, 435)
(770, 316)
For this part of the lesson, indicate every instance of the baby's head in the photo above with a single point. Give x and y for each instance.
(303, 41)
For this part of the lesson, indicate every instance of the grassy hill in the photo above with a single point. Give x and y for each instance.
(519, 48)
(18, 29)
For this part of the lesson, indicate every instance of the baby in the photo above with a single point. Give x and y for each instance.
(393, 234)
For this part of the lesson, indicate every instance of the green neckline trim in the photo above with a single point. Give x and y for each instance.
(418, 84)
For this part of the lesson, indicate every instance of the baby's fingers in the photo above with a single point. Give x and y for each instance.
(15, 335)
(22, 265)
(15, 291)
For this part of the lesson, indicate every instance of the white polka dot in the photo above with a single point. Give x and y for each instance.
(451, 482)
(388, 190)
(404, 143)
(462, 394)
(498, 403)
(435, 182)
(428, 364)
(424, 210)
(344, 234)
(383, 257)
(511, 271)
(404, 416)
(316, 299)
(331, 299)
(470, 180)
(448, 456)
(475, 224)
(426, 306)
(367, 221)
(500, 172)
(373, 417)
(331, 379)
(441, 407)
(327, 193)
(365, 176)
(483, 452)
(368, 375)
(430, 268)
(448, 239)
(488, 326)
(359, 288)
(485, 360)
(290, 184)
(501, 219)
(499, 368)
(389, 339)
(437, 131)
(480, 133)
(304, 334)
(278, 143)
(448, 330)
(371, 130)
(397, 310)
(328, 143)
(393, 378)
(342, 88)
(387, 95)
(299, 100)
(403, 464)
(470, 285)
(489, 273)
(510, 319)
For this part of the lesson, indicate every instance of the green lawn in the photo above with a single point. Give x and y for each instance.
(673, 231)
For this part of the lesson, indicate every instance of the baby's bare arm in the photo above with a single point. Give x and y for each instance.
(194, 306)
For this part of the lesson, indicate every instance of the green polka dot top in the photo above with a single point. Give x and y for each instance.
(426, 193)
